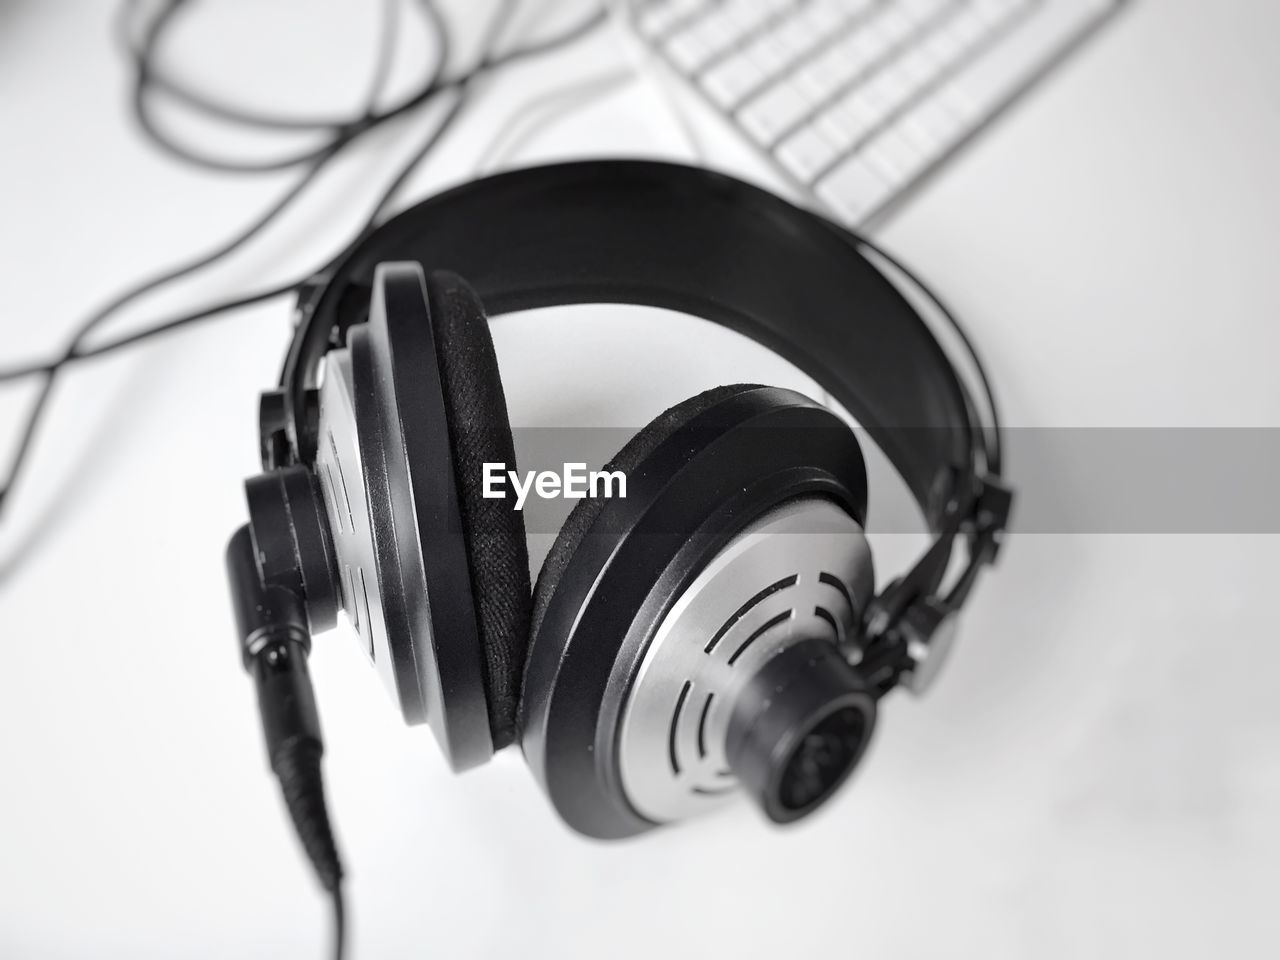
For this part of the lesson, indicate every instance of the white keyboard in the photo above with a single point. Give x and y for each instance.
(857, 100)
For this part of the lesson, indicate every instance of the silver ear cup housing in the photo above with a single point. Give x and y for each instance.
(350, 505)
(385, 468)
(801, 572)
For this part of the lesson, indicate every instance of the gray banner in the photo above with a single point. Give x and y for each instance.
(1068, 480)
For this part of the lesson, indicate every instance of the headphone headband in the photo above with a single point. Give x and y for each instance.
(685, 239)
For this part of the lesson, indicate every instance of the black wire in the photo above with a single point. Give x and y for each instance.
(536, 49)
(211, 106)
(341, 134)
(385, 52)
(342, 131)
(379, 208)
(74, 353)
(205, 313)
(371, 221)
(339, 923)
(35, 415)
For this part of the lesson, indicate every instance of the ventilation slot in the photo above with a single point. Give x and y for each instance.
(769, 625)
(714, 791)
(702, 726)
(675, 723)
(824, 614)
(836, 583)
(342, 480)
(743, 610)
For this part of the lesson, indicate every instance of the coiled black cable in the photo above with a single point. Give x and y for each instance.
(148, 78)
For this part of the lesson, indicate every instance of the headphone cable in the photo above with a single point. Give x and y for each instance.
(570, 35)
(339, 923)
(74, 352)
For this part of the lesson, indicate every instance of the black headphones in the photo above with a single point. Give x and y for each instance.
(717, 628)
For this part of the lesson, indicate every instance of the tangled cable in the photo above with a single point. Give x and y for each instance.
(141, 35)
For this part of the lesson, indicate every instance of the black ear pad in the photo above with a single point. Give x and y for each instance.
(479, 433)
(586, 511)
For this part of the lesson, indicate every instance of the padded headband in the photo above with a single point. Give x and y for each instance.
(685, 239)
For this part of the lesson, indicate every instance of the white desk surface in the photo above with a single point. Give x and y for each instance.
(1097, 775)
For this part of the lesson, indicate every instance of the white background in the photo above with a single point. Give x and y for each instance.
(1097, 775)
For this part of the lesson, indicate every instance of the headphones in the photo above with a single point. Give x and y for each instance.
(716, 630)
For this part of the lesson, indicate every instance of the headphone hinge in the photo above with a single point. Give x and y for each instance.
(273, 439)
(908, 620)
(991, 518)
(308, 296)
(274, 447)
(293, 546)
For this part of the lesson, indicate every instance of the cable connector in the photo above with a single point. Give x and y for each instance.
(271, 625)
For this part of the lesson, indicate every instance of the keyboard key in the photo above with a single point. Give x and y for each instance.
(849, 57)
(835, 127)
(923, 12)
(689, 49)
(893, 156)
(834, 65)
(853, 190)
(896, 26)
(732, 79)
(661, 15)
(919, 69)
(773, 112)
(860, 112)
(824, 16)
(925, 9)
(931, 126)
(797, 37)
(698, 40)
(869, 43)
(724, 28)
(942, 48)
(745, 17)
(767, 55)
(967, 29)
(889, 89)
(818, 80)
(995, 12)
(806, 153)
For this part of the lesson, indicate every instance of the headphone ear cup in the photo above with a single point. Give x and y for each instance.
(714, 466)
(480, 432)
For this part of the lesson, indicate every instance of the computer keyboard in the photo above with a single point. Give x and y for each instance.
(856, 100)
